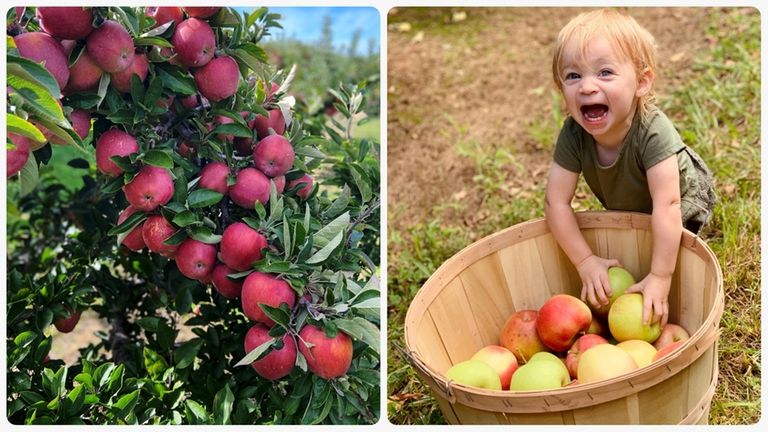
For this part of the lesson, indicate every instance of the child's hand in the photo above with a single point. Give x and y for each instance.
(655, 291)
(595, 287)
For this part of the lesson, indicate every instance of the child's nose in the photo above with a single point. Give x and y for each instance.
(587, 86)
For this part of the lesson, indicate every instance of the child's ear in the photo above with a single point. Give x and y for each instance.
(644, 82)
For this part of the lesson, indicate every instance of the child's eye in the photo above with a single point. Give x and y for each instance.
(572, 76)
(605, 72)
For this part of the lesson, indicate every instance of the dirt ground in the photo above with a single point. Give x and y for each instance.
(487, 70)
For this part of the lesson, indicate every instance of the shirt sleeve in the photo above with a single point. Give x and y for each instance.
(567, 153)
(660, 142)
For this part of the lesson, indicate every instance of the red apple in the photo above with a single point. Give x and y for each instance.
(81, 122)
(274, 155)
(196, 259)
(201, 12)
(519, 335)
(122, 80)
(218, 79)
(328, 357)
(164, 14)
(135, 240)
(111, 47)
(279, 362)
(186, 149)
(263, 288)
(214, 177)
(305, 186)
(241, 246)
(84, 75)
(250, 186)
(114, 142)
(280, 184)
(194, 42)
(275, 121)
(561, 320)
(225, 286)
(151, 188)
(671, 333)
(16, 157)
(68, 323)
(503, 362)
(156, 231)
(582, 344)
(667, 349)
(41, 47)
(65, 22)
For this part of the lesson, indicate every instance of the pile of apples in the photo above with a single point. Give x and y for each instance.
(567, 342)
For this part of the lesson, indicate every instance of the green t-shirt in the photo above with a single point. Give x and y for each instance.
(623, 185)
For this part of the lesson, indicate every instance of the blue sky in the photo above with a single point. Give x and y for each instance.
(306, 23)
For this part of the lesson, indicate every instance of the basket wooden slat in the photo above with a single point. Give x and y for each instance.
(464, 304)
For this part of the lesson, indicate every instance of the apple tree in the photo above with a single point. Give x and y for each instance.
(161, 175)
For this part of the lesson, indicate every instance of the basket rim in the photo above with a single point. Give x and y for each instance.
(708, 332)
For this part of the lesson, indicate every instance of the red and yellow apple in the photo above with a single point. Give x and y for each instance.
(561, 320)
(501, 360)
(602, 362)
(519, 335)
(578, 348)
(671, 333)
(668, 349)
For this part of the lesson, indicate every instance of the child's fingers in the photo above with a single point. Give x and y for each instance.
(647, 309)
(606, 284)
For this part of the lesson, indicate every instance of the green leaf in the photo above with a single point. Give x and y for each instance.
(361, 330)
(185, 218)
(29, 176)
(184, 355)
(309, 151)
(28, 70)
(204, 234)
(126, 404)
(255, 354)
(362, 181)
(22, 127)
(233, 129)
(175, 79)
(74, 401)
(128, 224)
(195, 413)
(326, 250)
(222, 405)
(332, 230)
(25, 339)
(152, 41)
(339, 204)
(203, 198)
(280, 315)
(158, 158)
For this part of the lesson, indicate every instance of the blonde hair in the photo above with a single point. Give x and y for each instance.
(633, 41)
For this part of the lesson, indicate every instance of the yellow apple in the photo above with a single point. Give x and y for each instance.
(603, 362)
(625, 320)
(540, 375)
(501, 360)
(474, 373)
(641, 351)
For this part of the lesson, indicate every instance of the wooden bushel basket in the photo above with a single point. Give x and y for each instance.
(465, 303)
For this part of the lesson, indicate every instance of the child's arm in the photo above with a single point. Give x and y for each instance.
(592, 269)
(666, 227)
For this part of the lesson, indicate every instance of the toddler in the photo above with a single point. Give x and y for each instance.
(630, 154)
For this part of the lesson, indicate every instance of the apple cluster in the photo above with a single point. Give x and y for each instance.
(259, 168)
(566, 342)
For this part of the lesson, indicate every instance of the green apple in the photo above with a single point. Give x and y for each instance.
(625, 320)
(619, 279)
(602, 362)
(540, 375)
(474, 373)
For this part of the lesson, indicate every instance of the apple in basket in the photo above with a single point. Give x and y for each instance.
(501, 360)
(603, 362)
(641, 351)
(582, 344)
(519, 335)
(474, 373)
(619, 279)
(544, 371)
(668, 349)
(671, 333)
(625, 320)
(561, 320)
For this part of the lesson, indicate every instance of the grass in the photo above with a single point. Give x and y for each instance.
(717, 111)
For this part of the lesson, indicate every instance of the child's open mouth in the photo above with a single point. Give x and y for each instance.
(594, 113)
